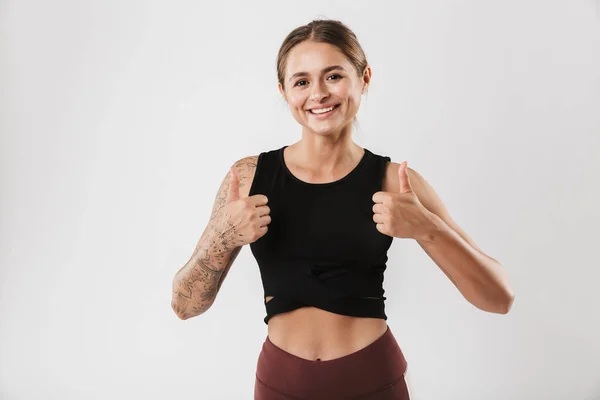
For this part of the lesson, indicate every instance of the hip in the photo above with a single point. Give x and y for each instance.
(375, 371)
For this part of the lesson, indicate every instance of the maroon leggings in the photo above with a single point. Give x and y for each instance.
(375, 372)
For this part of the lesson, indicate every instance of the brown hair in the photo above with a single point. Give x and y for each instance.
(323, 31)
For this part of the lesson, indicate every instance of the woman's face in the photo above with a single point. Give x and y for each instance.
(318, 76)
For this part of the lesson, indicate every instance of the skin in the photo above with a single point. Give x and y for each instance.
(325, 153)
(326, 150)
(197, 283)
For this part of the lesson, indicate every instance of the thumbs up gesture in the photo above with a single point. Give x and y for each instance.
(243, 220)
(401, 214)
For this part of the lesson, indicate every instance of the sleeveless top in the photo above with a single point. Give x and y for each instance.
(322, 247)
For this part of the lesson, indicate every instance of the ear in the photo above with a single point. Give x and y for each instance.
(367, 74)
(281, 90)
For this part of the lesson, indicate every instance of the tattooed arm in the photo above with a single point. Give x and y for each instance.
(196, 285)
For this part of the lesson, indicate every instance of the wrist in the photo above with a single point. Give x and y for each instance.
(218, 238)
(432, 227)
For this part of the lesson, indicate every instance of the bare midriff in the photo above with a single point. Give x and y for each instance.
(319, 335)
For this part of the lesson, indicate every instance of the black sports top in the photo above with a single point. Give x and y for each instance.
(322, 247)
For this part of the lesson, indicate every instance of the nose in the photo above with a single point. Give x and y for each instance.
(319, 91)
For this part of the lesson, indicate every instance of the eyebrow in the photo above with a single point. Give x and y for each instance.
(325, 70)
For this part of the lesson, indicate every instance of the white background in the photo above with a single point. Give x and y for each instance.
(119, 119)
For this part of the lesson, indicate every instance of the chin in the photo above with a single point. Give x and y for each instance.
(330, 130)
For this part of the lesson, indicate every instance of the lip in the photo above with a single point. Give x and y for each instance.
(324, 115)
(323, 106)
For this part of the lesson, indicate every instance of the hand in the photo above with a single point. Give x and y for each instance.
(401, 214)
(243, 220)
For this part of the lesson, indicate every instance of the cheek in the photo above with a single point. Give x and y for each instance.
(348, 94)
(352, 103)
(355, 98)
(341, 91)
(296, 101)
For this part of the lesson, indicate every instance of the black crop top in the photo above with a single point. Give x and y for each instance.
(322, 247)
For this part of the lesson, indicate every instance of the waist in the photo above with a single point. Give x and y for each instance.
(312, 333)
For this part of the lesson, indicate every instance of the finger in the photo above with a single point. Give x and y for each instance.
(234, 185)
(263, 210)
(264, 220)
(258, 200)
(379, 209)
(405, 186)
(380, 197)
(379, 218)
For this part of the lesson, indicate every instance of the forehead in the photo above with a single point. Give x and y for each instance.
(312, 57)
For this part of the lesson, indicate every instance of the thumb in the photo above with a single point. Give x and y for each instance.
(234, 186)
(405, 186)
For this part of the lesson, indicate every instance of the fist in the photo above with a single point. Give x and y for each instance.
(243, 220)
(400, 214)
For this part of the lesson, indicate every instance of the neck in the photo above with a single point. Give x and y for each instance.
(324, 154)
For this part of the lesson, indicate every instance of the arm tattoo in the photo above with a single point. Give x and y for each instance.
(245, 167)
(198, 282)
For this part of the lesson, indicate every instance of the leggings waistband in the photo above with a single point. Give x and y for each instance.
(376, 366)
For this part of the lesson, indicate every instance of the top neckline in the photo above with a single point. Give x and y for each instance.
(324, 184)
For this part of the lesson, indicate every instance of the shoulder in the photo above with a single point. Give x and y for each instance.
(246, 169)
(427, 197)
(425, 193)
(391, 182)
(246, 163)
(422, 189)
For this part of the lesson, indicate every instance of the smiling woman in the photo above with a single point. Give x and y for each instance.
(333, 345)
(319, 216)
(319, 66)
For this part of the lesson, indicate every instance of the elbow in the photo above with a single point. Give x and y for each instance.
(179, 311)
(188, 304)
(506, 304)
(510, 302)
(180, 314)
(179, 304)
(497, 304)
(187, 312)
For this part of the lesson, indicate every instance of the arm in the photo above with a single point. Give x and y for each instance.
(479, 278)
(196, 285)
(408, 207)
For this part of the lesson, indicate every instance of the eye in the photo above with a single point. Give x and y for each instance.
(330, 76)
(299, 82)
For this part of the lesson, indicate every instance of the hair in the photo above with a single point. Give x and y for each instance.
(323, 31)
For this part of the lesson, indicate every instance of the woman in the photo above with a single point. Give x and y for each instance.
(319, 216)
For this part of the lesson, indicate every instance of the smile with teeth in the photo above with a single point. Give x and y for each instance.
(322, 110)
